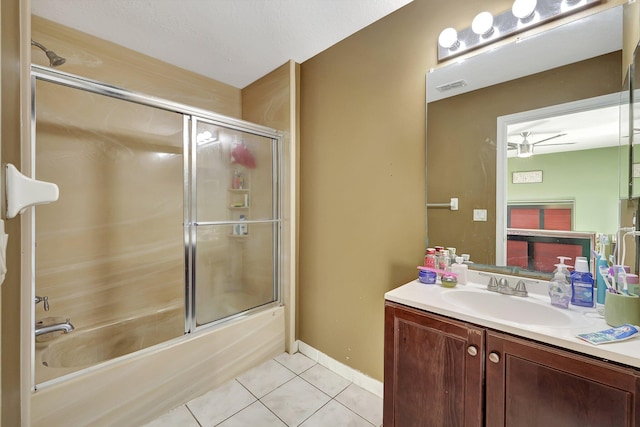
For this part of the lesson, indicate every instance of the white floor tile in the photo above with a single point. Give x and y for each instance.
(326, 380)
(265, 378)
(335, 414)
(220, 403)
(363, 403)
(297, 362)
(177, 417)
(255, 414)
(295, 401)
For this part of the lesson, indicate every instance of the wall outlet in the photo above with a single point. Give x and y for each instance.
(636, 170)
(479, 214)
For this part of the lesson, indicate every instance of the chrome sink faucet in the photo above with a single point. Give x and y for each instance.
(65, 327)
(502, 286)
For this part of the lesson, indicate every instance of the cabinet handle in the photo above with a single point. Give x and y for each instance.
(494, 357)
(472, 350)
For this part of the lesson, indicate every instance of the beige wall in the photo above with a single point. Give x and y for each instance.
(362, 175)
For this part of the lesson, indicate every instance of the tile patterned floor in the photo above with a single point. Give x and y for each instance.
(289, 390)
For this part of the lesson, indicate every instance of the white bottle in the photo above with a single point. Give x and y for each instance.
(462, 270)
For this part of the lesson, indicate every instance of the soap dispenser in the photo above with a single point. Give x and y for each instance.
(560, 286)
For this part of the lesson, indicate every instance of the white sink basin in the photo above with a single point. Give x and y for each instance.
(526, 310)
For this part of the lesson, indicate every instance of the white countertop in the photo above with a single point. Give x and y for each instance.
(434, 299)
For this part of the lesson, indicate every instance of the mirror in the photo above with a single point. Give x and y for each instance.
(531, 85)
(632, 127)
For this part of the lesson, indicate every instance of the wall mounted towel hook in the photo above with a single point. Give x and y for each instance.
(23, 192)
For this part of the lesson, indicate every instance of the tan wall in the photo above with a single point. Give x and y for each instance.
(471, 142)
(362, 175)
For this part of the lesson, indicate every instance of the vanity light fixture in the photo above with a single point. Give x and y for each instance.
(523, 15)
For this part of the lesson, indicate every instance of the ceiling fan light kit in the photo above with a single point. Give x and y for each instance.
(525, 148)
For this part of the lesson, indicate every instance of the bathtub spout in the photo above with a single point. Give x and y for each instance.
(65, 327)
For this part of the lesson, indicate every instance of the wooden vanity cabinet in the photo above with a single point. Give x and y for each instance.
(432, 370)
(443, 372)
(531, 384)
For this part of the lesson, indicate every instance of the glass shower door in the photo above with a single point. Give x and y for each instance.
(236, 221)
(109, 254)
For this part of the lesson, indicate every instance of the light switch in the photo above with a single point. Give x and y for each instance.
(479, 214)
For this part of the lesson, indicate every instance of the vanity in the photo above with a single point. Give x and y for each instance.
(460, 357)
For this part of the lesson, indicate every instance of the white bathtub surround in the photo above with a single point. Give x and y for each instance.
(137, 389)
(370, 384)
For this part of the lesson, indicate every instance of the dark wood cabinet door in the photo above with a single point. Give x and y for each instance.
(432, 370)
(534, 385)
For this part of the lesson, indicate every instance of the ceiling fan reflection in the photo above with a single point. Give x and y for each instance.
(525, 148)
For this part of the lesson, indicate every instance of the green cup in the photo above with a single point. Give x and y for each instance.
(620, 309)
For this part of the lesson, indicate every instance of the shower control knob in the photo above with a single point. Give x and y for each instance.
(44, 300)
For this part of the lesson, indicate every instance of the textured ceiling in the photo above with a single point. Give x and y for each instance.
(232, 41)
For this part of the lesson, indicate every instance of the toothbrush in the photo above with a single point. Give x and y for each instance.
(604, 272)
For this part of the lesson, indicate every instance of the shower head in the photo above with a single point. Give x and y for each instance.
(54, 60)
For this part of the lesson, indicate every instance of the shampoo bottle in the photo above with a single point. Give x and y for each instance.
(462, 270)
(582, 284)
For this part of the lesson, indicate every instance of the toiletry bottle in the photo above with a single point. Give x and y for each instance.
(444, 262)
(559, 287)
(430, 258)
(582, 284)
(600, 281)
(242, 228)
(462, 270)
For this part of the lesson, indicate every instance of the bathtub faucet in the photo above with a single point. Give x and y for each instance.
(65, 327)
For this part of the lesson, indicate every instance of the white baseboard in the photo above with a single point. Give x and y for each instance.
(358, 378)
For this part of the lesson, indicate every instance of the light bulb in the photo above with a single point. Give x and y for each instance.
(448, 38)
(482, 24)
(524, 9)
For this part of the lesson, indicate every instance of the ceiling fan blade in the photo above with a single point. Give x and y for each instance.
(512, 144)
(547, 139)
(559, 143)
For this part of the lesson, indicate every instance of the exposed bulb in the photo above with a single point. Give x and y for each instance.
(524, 10)
(448, 39)
(482, 24)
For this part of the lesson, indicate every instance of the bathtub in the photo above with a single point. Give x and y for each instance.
(60, 354)
(135, 389)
